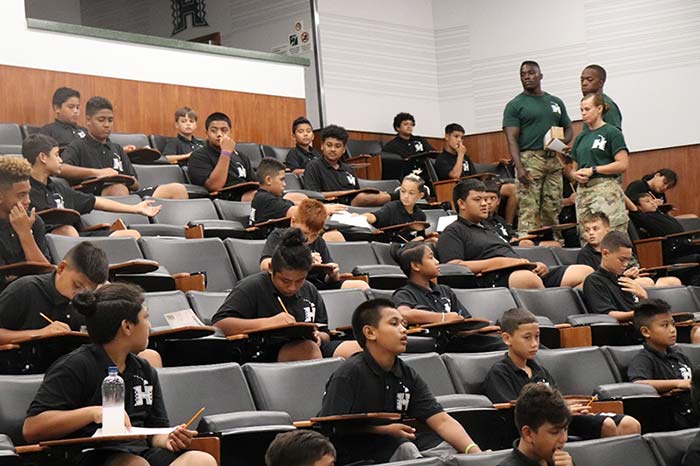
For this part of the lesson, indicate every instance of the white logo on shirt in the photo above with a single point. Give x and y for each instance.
(351, 178)
(599, 142)
(241, 170)
(252, 215)
(555, 107)
(143, 394)
(117, 163)
(465, 167)
(309, 311)
(58, 200)
(418, 146)
(685, 371)
(80, 133)
(403, 399)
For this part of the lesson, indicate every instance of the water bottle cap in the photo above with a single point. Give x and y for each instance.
(112, 370)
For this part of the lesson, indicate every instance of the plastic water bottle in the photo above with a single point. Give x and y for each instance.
(113, 403)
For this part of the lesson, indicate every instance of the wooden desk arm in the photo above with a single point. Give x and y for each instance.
(211, 445)
(185, 282)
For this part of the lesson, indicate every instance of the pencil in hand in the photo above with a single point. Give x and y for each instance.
(196, 415)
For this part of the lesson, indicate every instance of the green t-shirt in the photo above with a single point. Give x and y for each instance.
(598, 147)
(613, 116)
(534, 115)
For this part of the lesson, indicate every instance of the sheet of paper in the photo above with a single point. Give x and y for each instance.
(443, 222)
(552, 143)
(137, 431)
(184, 318)
(347, 218)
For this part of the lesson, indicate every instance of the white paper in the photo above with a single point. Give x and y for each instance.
(557, 145)
(184, 318)
(346, 218)
(443, 222)
(137, 431)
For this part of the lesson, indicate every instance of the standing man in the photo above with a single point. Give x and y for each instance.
(592, 81)
(526, 119)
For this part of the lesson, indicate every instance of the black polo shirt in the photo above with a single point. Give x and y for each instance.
(505, 380)
(465, 240)
(518, 458)
(11, 250)
(437, 298)
(445, 161)
(64, 133)
(91, 153)
(395, 213)
(298, 157)
(318, 279)
(203, 161)
(589, 256)
(406, 147)
(75, 381)
(499, 225)
(23, 300)
(255, 297)
(637, 187)
(603, 294)
(56, 195)
(266, 206)
(181, 145)
(320, 176)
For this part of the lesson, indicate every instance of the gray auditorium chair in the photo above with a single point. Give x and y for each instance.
(10, 139)
(383, 253)
(8, 456)
(692, 351)
(28, 130)
(556, 303)
(359, 257)
(578, 371)
(491, 458)
(566, 256)
(340, 305)
(159, 141)
(538, 254)
(612, 451)
(245, 255)
(388, 186)
(468, 370)
(17, 394)
(191, 212)
(233, 210)
(486, 303)
(155, 175)
(252, 151)
(279, 153)
(125, 139)
(293, 183)
(680, 298)
(669, 447)
(619, 358)
(206, 303)
(432, 216)
(360, 147)
(160, 303)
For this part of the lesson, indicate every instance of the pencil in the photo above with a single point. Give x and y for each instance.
(282, 304)
(593, 398)
(47, 318)
(196, 415)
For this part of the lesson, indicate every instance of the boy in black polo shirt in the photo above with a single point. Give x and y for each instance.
(402, 210)
(542, 419)
(405, 143)
(454, 162)
(333, 177)
(300, 447)
(656, 184)
(180, 148)
(469, 242)
(96, 156)
(270, 202)
(281, 297)
(217, 165)
(68, 403)
(504, 229)
(21, 232)
(66, 106)
(303, 152)
(660, 364)
(42, 152)
(506, 379)
(377, 380)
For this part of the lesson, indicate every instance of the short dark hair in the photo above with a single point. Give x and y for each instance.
(217, 116)
(97, 103)
(298, 448)
(411, 253)
(462, 189)
(670, 175)
(62, 94)
(647, 309)
(636, 197)
(89, 260)
(538, 404)
(107, 307)
(302, 120)
(452, 127)
(514, 318)
(598, 69)
(368, 313)
(530, 63)
(401, 117)
(292, 253)
(268, 167)
(492, 186)
(335, 132)
(596, 217)
(186, 112)
(35, 144)
(615, 240)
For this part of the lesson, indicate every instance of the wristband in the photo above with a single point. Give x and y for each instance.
(594, 170)
(226, 153)
(469, 447)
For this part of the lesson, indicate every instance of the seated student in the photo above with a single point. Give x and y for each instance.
(42, 152)
(403, 210)
(302, 152)
(405, 143)
(504, 229)
(660, 363)
(331, 176)
(180, 148)
(454, 163)
(309, 217)
(68, 403)
(270, 202)
(281, 297)
(506, 378)
(542, 419)
(420, 301)
(656, 184)
(217, 165)
(377, 380)
(22, 233)
(97, 156)
(469, 242)
(300, 447)
(66, 106)
(595, 227)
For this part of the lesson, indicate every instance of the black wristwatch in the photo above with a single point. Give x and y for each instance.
(594, 170)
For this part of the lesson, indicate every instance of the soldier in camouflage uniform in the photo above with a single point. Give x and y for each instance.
(526, 119)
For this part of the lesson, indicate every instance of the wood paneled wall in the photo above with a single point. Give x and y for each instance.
(144, 107)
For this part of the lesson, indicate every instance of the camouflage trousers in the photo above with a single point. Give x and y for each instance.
(539, 202)
(602, 195)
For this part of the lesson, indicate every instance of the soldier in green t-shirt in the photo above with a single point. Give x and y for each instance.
(592, 81)
(599, 156)
(526, 119)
